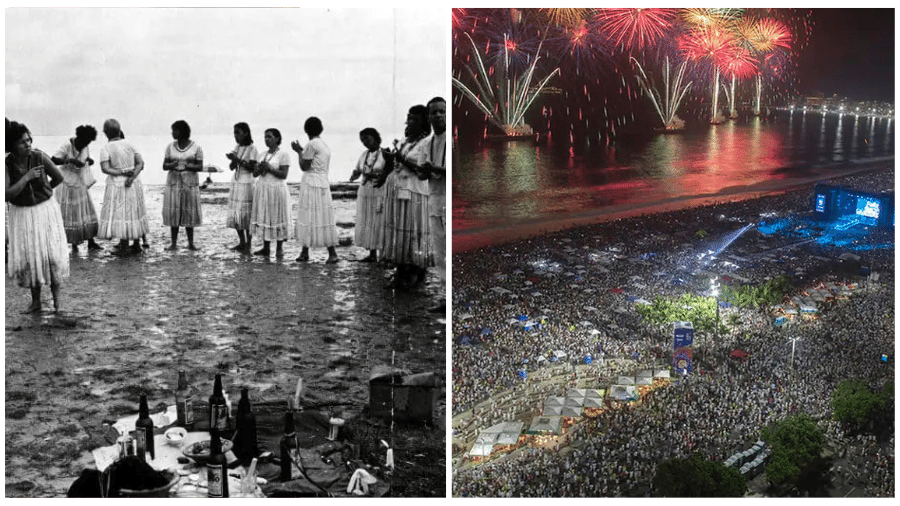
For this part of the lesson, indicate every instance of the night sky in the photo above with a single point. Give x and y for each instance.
(850, 53)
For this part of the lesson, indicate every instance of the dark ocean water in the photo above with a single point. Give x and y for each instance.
(504, 185)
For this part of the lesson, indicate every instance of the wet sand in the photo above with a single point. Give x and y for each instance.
(466, 240)
(130, 323)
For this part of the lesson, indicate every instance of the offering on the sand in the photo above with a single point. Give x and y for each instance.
(199, 451)
(175, 436)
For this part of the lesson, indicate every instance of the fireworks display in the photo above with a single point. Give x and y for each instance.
(636, 28)
(606, 70)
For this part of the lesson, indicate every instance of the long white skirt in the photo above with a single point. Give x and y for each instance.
(123, 214)
(406, 237)
(240, 205)
(315, 226)
(79, 215)
(38, 254)
(270, 218)
(368, 230)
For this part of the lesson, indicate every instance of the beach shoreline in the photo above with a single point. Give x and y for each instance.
(492, 236)
(583, 285)
(129, 324)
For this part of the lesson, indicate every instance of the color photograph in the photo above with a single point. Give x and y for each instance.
(673, 252)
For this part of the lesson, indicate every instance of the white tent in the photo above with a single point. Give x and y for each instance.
(622, 392)
(552, 411)
(546, 425)
(594, 393)
(555, 401)
(662, 373)
(503, 427)
(593, 402)
(559, 354)
(626, 380)
(576, 392)
(571, 412)
(505, 433)
(644, 380)
(479, 450)
(486, 438)
(500, 290)
(509, 438)
(574, 402)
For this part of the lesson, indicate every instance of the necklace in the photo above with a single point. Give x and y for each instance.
(369, 167)
(269, 155)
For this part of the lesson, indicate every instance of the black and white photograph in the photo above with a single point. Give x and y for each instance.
(225, 237)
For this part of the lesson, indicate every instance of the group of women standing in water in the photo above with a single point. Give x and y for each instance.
(394, 213)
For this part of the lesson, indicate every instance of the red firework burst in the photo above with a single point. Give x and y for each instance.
(708, 44)
(457, 15)
(635, 28)
(739, 63)
(772, 34)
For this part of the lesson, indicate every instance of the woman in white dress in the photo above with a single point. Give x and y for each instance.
(406, 241)
(37, 238)
(123, 214)
(316, 226)
(181, 200)
(369, 200)
(78, 212)
(240, 198)
(270, 218)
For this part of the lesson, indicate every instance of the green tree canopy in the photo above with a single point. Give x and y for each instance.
(697, 477)
(853, 402)
(796, 443)
(700, 311)
(765, 294)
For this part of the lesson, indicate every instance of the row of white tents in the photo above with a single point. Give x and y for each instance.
(556, 408)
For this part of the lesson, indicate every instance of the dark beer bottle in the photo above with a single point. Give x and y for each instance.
(184, 403)
(216, 467)
(143, 431)
(218, 410)
(245, 444)
(288, 445)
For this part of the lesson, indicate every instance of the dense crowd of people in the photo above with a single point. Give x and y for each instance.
(582, 284)
(401, 211)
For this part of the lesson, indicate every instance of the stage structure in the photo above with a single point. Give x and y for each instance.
(684, 353)
(848, 207)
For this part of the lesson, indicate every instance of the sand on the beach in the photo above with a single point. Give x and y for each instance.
(129, 324)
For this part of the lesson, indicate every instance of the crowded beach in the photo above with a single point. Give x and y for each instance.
(542, 317)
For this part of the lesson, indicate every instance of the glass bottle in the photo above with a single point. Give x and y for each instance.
(184, 403)
(143, 431)
(218, 409)
(216, 467)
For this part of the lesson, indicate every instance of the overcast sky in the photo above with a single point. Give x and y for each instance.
(214, 67)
